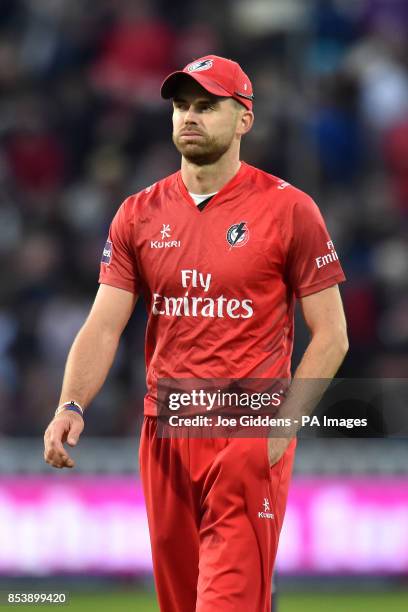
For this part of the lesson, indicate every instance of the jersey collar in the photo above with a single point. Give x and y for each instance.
(225, 193)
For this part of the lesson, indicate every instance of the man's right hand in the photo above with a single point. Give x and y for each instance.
(66, 427)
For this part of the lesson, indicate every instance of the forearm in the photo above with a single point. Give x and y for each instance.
(318, 366)
(324, 316)
(88, 364)
(322, 357)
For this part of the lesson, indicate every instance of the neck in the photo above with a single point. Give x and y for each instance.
(209, 178)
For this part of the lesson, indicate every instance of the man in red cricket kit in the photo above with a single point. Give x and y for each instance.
(220, 251)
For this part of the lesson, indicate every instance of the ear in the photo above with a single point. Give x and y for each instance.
(245, 122)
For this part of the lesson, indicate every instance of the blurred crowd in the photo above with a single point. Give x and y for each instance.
(82, 126)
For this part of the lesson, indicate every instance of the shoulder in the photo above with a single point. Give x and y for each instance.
(148, 198)
(280, 193)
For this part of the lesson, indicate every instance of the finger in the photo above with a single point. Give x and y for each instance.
(59, 462)
(55, 447)
(56, 453)
(76, 428)
(73, 436)
(68, 462)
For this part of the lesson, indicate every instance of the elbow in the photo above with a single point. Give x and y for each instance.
(341, 342)
(345, 347)
(335, 340)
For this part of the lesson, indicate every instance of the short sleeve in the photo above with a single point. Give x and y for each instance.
(118, 263)
(312, 262)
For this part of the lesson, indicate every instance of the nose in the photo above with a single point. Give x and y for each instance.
(190, 116)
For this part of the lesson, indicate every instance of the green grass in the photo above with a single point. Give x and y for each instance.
(310, 602)
(352, 602)
(123, 602)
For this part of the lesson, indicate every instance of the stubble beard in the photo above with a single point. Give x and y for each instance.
(208, 151)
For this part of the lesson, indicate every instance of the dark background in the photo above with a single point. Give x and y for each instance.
(82, 126)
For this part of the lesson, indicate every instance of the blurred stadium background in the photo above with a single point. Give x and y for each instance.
(81, 127)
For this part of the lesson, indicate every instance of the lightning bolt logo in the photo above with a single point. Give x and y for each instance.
(238, 234)
(240, 231)
(198, 66)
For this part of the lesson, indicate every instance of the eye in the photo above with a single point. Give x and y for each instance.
(205, 106)
(180, 106)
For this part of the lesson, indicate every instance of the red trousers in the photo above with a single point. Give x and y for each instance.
(215, 510)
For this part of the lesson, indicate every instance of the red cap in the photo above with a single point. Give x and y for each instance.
(219, 76)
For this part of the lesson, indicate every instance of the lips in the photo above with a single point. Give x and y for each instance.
(190, 134)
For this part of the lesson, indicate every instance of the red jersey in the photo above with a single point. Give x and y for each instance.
(219, 284)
